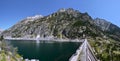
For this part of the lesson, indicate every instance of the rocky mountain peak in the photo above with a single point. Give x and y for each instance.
(102, 23)
(71, 11)
(62, 10)
(74, 13)
(34, 17)
(68, 10)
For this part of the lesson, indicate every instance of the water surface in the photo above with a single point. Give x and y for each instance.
(58, 51)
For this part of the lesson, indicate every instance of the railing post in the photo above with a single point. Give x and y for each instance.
(85, 50)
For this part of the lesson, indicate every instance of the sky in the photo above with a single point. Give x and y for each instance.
(12, 11)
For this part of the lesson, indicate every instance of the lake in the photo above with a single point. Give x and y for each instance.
(50, 51)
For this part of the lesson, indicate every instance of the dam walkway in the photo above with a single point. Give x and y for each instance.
(84, 53)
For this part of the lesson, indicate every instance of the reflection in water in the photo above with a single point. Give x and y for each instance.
(37, 46)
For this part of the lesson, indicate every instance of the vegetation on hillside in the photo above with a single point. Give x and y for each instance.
(106, 49)
(7, 52)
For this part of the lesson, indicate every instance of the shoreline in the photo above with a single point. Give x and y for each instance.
(46, 39)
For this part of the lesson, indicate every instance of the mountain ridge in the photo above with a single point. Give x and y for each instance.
(108, 27)
(70, 18)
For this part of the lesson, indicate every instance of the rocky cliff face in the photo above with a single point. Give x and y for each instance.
(109, 29)
(65, 23)
(103, 24)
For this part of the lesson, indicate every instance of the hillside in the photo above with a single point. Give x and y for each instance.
(69, 23)
(109, 29)
(7, 52)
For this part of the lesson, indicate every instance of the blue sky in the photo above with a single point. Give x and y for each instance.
(12, 11)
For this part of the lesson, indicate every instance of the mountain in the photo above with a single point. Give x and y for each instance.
(102, 23)
(65, 23)
(103, 36)
(110, 29)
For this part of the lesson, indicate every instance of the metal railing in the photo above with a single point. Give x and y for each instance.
(84, 53)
